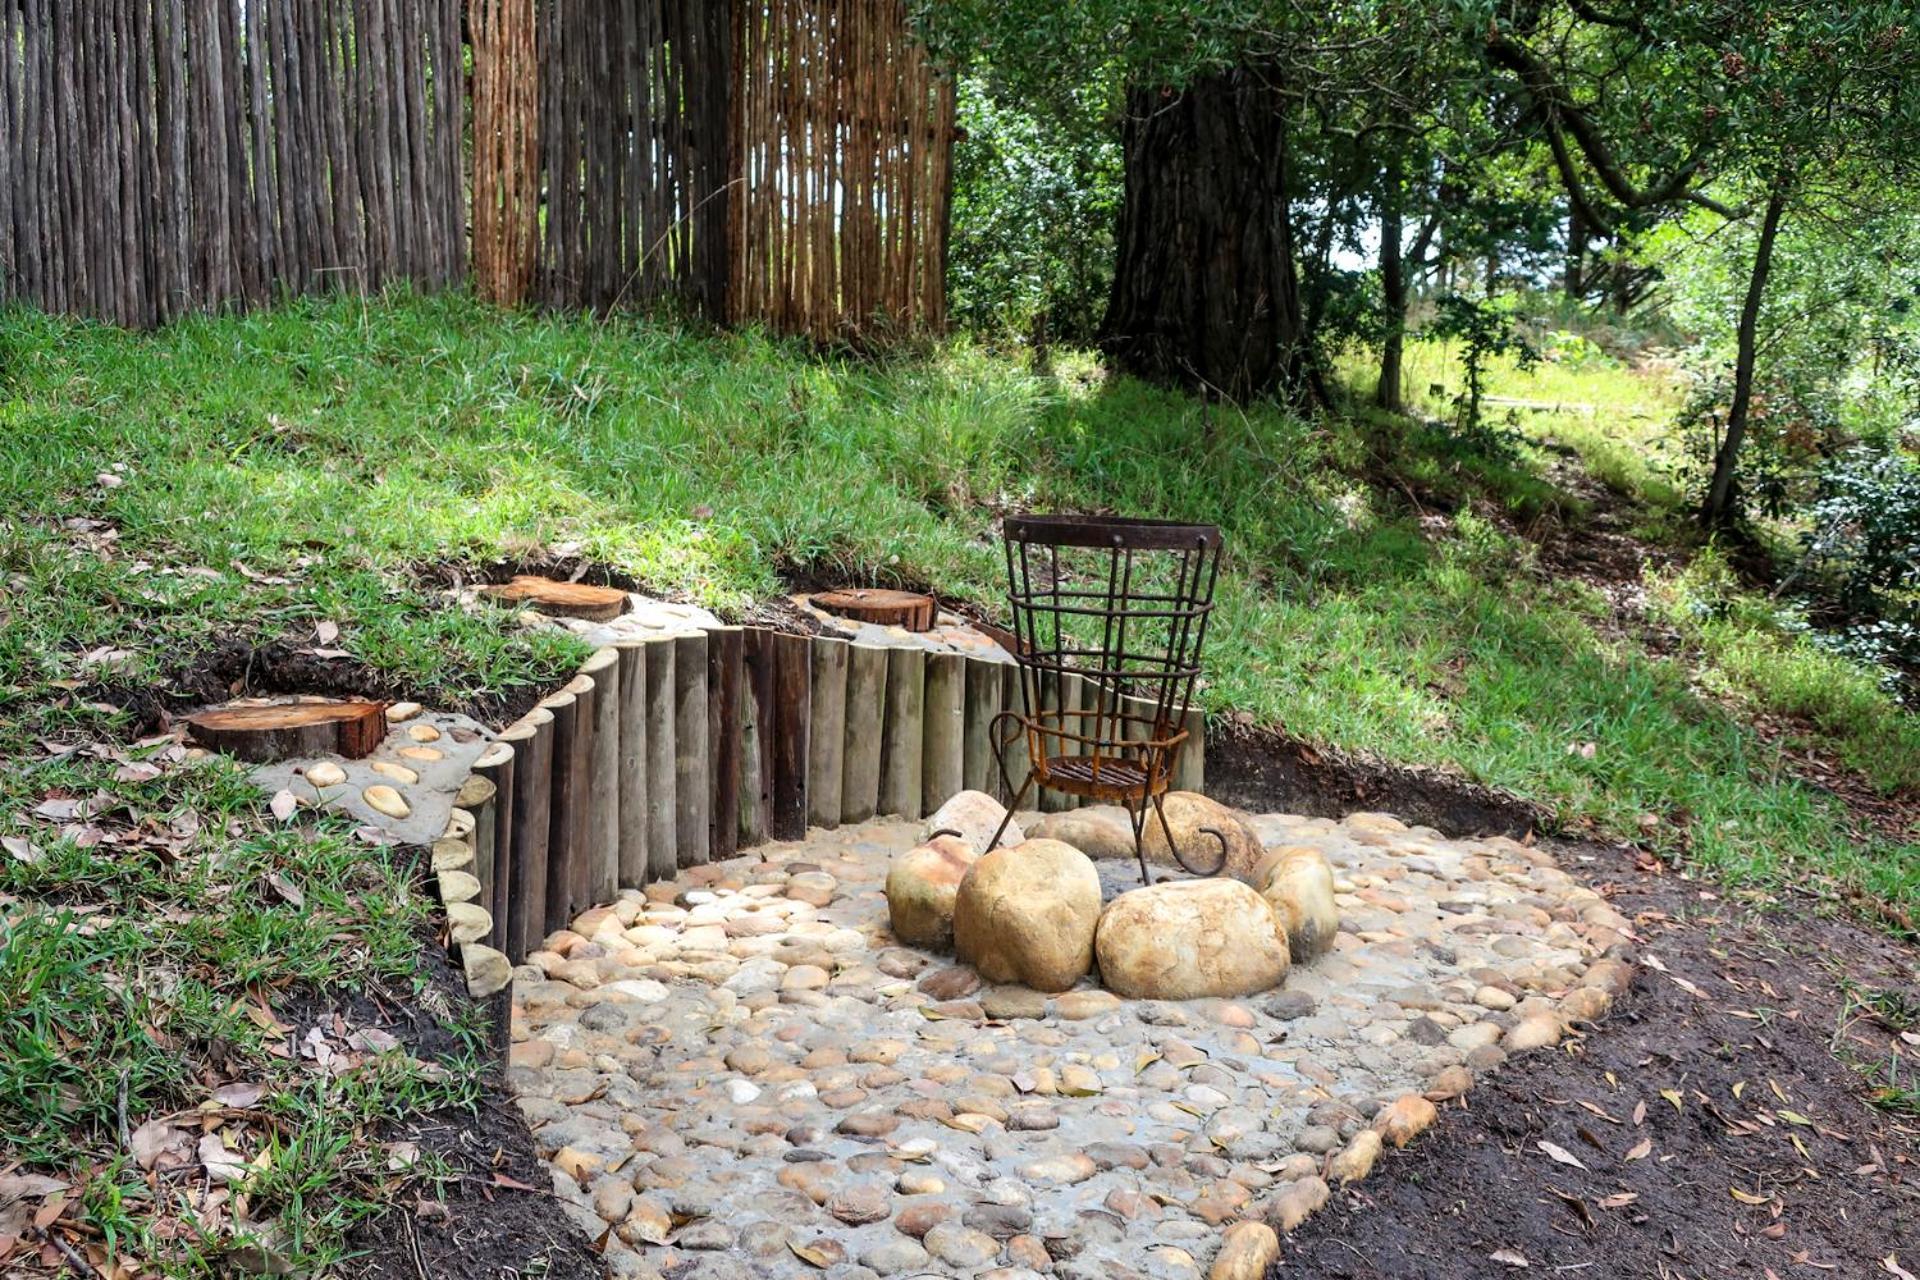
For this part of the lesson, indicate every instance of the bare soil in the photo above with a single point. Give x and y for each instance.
(1724, 1117)
(497, 1219)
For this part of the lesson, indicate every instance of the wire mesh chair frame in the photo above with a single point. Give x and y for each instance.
(1108, 648)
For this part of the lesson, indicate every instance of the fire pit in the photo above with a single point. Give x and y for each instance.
(1109, 615)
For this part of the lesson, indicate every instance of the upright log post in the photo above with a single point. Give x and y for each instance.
(632, 767)
(827, 731)
(496, 765)
(726, 664)
(792, 722)
(600, 865)
(691, 802)
(943, 770)
(902, 750)
(663, 839)
(1190, 769)
(532, 830)
(860, 751)
(983, 703)
(571, 732)
(756, 738)
(1019, 757)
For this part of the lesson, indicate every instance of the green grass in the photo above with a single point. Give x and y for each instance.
(329, 461)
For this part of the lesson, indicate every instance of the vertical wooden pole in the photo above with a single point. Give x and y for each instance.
(632, 766)
(1190, 769)
(532, 832)
(726, 663)
(600, 868)
(983, 704)
(792, 721)
(901, 747)
(860, 752)
(756, 738)
(570, 765)
(944, 727)
(663, 841)
(1019, 757)
(690, 799)
(827, 732)
(496, 765)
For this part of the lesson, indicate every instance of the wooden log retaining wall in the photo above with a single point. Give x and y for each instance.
(762, 732)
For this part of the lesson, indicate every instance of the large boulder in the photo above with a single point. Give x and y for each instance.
(1297, 883)
(1185, 939)
(1027, 913)
(921, 886)
(1099, 831)
(975, 816)
(1193, 818)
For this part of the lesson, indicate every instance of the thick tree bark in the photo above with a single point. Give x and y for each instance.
(1393, 291)
(1574, 279)
(1722, 504)
(1204, 292)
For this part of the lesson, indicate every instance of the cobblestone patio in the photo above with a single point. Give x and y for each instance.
(740, 1074)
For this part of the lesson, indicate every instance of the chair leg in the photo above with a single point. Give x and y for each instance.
(1173, 846)
(1139, 819)
(1006, 819)
(999, 741)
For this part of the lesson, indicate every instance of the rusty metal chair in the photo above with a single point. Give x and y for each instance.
(1109, 616)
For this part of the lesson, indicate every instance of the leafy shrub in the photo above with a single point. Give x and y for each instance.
(1036, 193)
(1864, 545)
(1485, 328)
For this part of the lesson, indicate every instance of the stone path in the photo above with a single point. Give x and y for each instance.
(740, 1075)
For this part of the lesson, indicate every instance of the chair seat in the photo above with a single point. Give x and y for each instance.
(1117, 779)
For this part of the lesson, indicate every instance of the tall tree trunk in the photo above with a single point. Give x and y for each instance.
(1204, 290)
(1393, 291)
(1721, 504)
(1573, 280)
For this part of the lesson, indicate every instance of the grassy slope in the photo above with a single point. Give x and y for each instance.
(300, 467)
(339, 445)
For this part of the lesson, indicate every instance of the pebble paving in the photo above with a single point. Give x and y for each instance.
(740, 1074)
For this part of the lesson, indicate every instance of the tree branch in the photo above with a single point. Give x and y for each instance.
(1559, 111)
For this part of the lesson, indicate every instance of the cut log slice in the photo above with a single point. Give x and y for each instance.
(908, 609)
(261, 734)
(562, 599)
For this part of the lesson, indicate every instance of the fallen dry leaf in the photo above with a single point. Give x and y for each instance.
(158, 1144)
(1510, 1257)
(285, 804)
(1560, 1154)
(1892, 1263)
(21, 849)
(222, 1165)
(239, 1096)
(1640, 1150)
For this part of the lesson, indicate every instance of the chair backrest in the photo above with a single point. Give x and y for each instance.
(1115, 606)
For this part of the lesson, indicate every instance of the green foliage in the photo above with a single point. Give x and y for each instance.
(1036, 190)
(1485, 329)
(1863, 544)
(1838, 333)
